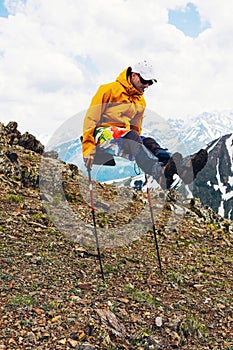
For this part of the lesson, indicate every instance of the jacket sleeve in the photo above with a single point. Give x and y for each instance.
(136, 122)
(92, 119)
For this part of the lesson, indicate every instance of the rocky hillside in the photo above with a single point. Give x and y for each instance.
(52, 293)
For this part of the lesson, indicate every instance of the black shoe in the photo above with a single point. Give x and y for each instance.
(193, 166)
(178, 160)
(172, 167)
(177, 182)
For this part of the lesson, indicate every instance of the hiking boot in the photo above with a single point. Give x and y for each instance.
(171, 168)
(167, 179)
(178, 160)
(193, 166)
(177, 182)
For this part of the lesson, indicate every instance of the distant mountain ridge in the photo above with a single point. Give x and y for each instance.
(199, 131)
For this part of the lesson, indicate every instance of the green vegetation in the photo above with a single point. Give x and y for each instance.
(15, 198)
(22, 300)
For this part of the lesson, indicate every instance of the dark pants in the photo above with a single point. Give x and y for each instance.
(131, 141)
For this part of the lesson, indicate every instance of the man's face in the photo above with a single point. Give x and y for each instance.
(139, 83)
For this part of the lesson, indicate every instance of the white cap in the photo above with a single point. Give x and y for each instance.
(145, 69)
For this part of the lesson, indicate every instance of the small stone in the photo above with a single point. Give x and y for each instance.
(55, 319)
(159, 321)
(39, 311)
(86, 346)
(198, 286)
(72, 342)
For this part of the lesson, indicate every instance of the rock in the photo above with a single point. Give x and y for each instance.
(51, 154)
(29, 141)
(13, 135)
(111, 322)
(29, 176)
(11, 127)
(46, 197)
(87, 346)
(175, 340)
(198, 286)
(12, 156)
(73, 343)
(74, 169)
(159, 321)
(56, 319)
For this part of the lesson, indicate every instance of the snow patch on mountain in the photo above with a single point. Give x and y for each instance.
(229, 147)
(225, 196)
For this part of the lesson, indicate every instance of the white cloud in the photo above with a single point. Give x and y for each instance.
(55, 53)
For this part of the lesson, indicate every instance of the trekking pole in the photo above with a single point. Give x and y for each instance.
(94, 221)
(153, 223)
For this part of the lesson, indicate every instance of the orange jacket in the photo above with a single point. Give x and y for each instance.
(117, 103)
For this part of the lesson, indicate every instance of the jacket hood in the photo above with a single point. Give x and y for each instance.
(124, 80)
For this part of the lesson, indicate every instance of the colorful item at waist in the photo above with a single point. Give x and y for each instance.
(108, 133)
(109, 139)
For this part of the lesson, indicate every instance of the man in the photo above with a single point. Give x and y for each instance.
(113, 125)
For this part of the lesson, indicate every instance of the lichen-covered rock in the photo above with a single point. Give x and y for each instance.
(29, 141)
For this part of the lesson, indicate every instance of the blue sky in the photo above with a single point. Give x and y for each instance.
(3, 10)
(187, 20)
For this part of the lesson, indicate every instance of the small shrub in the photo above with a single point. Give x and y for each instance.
(15, 198)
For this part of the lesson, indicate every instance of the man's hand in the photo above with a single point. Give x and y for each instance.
(89, 160)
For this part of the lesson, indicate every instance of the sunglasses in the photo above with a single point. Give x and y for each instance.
(143, 81)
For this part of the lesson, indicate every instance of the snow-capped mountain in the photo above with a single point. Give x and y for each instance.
(214, 184)
(199, 131)
(188, 136)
